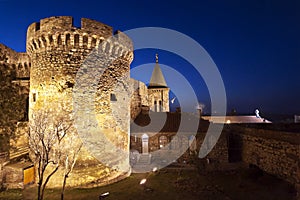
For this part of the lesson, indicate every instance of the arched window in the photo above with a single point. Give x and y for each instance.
(163, 141)
(85, 40)
(160, 106)
(155, 106)
(68, 39)
(94, 40)
(175, 142)
(38, 43)
(34, 45)
(59, 41)
(50, 39)
(26, 66)
(107, 47)
(44, 41)
(76, 40)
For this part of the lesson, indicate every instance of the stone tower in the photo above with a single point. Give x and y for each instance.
(58, 51)
(158, 91)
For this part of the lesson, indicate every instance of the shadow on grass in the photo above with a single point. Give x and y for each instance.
(176, 184)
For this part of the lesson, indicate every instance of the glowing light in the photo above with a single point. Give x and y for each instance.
(104, 195)
(228, 121)
(143, 181)
(154, 169)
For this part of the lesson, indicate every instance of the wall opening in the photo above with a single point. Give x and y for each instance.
(160, 106)
(76, 40)
(25, 117)
(68, 39)
(235, 144)
(85, 40)
(50, 39)
(37, 26)
(44, 41)
(113, 97)
(145, 142)
(163, 141)
(59, 40)
(175, 142)
(93, 42)
(34, 97)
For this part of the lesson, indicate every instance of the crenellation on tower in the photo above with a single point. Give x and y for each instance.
(91, 26)
(59, 33)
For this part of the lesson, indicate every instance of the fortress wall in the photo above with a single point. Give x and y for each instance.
(275, 152)
(18, 62)
(138, 97)
(13, 67)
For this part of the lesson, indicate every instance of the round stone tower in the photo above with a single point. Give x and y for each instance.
(58, 52)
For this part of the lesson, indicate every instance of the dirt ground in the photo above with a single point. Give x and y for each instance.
(177, 183)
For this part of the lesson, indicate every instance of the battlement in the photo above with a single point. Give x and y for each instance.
(60, 32)
(20, 62)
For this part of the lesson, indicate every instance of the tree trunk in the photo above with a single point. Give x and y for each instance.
(63, 187)
(40, 196)
(39, 191)
(47, 179)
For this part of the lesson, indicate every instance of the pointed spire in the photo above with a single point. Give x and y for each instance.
(157, 78)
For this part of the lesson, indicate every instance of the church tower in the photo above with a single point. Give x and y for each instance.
(158, 91)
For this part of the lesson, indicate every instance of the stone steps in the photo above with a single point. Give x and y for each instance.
(144, 159)
(18, 152)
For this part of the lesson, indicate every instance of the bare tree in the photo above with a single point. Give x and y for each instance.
(47, 130)
(71, 150)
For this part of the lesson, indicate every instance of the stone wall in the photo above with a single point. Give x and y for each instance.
(19, 62)
(139, 98)
(275, 152)
(175, 142)
(19, 142)
(13, 175)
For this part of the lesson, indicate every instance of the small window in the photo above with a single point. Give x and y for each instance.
(163, 141)
(34, 45)
(44, 42)
(37, 26)
(85, 40)
(160, 106)
(59, 41)
(113, 97)
(94, 40)
(34, 97)
(69, 84)
(76, 40)
(68, 39)
(50, 39)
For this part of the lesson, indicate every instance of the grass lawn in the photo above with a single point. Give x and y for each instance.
(175, 184)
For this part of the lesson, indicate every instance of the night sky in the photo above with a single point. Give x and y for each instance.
(255, 44)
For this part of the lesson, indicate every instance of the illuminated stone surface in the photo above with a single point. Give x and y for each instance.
(58, 50)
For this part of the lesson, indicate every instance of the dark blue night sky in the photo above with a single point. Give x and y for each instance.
(255, 44)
